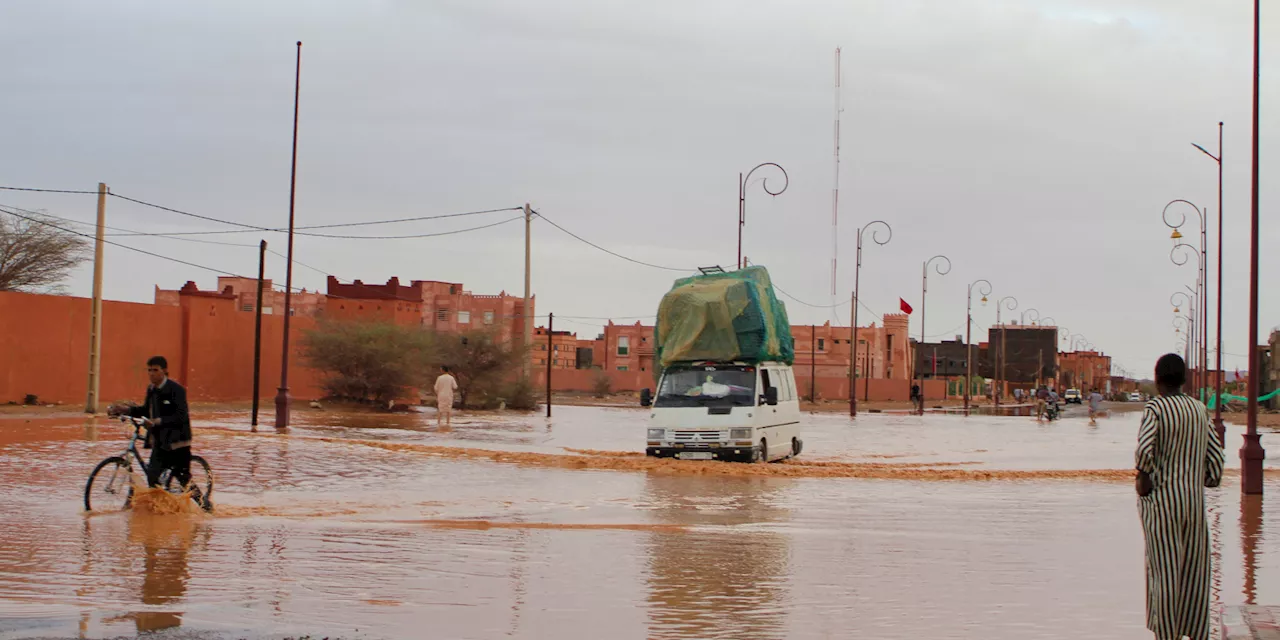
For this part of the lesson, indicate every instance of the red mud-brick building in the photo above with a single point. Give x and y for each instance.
(446, 307)
(564, 349)
(307, 304)
(1084, 370)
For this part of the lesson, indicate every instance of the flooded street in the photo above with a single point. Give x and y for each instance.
(510, 526)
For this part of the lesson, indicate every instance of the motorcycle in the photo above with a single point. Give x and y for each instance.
(1051, 411)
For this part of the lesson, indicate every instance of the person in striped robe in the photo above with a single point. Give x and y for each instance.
(1178, 455)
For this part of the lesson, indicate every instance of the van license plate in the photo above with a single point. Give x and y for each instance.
(695, 455)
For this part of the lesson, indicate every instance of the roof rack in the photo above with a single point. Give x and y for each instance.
(710, 270)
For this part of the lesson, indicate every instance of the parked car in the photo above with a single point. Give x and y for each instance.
(1135, 397)
(1072, 397)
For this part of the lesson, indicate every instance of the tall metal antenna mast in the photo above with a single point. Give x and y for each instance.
(835, 191)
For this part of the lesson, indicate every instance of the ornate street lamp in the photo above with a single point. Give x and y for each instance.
(742, 197)
(1010, 303)
(853, 343)
(984, 288)
(924, 290)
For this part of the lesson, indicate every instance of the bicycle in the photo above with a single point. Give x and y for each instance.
(112, 479)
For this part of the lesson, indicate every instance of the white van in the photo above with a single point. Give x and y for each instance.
(724, 411)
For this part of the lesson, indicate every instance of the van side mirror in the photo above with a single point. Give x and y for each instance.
(771, 396)
(646, 397)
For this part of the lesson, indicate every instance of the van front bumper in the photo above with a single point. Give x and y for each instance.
(742, 453)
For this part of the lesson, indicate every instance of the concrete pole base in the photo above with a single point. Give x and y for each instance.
(1251, 457)
(282, 408)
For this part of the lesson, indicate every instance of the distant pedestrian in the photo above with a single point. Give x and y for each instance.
(1178, 455)
(1017, 395)
(1042, 401)
(1095, 407)
(445, 386)
(916, 398)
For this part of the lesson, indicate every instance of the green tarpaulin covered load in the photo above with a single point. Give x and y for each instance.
(723, 316)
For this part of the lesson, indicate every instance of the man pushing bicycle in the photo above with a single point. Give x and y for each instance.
(168, 423)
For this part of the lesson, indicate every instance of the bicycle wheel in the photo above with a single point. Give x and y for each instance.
(200, 486)
(110, 485)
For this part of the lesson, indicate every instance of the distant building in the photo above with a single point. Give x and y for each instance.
(824, 349)
(1085, 370)
(564, 349)
(442, 306)
(624, 347)
(944, 360)
(1023, 354)
(305, 303)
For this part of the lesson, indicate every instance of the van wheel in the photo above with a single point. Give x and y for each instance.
(795, 447)
(764, 451)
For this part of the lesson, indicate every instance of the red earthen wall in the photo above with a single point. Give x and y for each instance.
(44, 349)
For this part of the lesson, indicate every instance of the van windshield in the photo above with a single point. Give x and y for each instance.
(709, 386)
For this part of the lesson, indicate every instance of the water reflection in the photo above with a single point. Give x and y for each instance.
(727, 576)
(1250, 537)
(166, 541)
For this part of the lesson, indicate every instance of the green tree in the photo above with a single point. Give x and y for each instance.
(368, 361)
(484, 365)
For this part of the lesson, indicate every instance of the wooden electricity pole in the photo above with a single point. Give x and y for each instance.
(95, 326)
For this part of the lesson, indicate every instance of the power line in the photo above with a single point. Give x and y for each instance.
(300, 263)
(829, 306)
(299, 230)
(46, 190)
(612, 253)
(186, 213)
(131, 232)
(123, 246)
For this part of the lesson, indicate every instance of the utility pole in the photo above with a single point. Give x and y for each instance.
(853, 344)
(528, 317)
(551, 348)
(95, 326)
(866, 385)
(282, 397)
(813, 363)
(257, 334)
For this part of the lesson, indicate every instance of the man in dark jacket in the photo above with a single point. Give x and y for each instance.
(168, 423)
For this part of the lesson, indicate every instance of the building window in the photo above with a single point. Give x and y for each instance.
(822, 344)
(293, 312)
(624, 346)
(247, 307)
(266, 311)
(464, 317)
(442, 315)
(488, 317)
(622, 368)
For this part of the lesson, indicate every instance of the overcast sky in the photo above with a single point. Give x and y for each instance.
(1032, 142)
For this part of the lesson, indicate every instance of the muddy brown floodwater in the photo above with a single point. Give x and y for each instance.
(514, 526)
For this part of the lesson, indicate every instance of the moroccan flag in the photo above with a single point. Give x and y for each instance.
(906, 308)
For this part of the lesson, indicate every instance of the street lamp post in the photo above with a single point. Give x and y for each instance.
(1217, 410)
(742, 197)
(1012, 303)
(924, 290)
(984, 287)
(1252, 454)
(1202, 286)
(1196, 359)
(853, 330)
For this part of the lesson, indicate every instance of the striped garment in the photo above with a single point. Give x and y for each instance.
(1179, 449)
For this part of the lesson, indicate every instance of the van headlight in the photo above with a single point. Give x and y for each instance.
(657, 434)
(740, 434)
